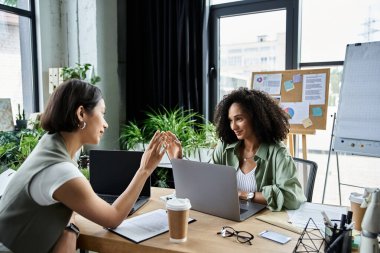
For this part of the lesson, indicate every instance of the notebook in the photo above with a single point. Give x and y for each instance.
(212, 189)
(111, 171)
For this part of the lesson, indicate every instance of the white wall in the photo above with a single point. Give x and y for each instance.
(84, 31)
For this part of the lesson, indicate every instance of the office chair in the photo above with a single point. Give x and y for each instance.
(306, 171)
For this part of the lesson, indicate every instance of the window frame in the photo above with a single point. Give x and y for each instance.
(245, 7)
(31, 15)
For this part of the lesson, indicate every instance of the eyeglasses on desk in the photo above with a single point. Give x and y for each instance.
(241, 236)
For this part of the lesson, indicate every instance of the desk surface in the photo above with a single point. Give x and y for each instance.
(202, 235)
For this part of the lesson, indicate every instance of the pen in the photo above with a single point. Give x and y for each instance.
(349, 217)
(327, 219)
(343, 221)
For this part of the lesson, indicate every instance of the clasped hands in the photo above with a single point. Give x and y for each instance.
(173, 146)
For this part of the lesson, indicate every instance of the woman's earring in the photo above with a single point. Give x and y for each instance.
(82, 127)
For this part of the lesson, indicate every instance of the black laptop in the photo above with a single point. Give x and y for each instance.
(111, 171)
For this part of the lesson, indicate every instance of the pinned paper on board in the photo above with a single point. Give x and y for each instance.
(297, 78)
(288, 85)
(309, 86)
(297, 111)
(270, 83)
(307, 123)
(314, 86)
(316, 111)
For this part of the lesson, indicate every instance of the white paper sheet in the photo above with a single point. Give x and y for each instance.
(313, 89)
(144, 226)
(358, 115)
(298, 111)
(270, 83)
(307, 210)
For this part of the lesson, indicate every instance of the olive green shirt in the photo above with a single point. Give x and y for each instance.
(276, 174)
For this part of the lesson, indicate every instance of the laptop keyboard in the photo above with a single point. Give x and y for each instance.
(243, 207)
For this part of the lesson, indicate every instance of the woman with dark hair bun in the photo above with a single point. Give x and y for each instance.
(251, 126)
(37, 206)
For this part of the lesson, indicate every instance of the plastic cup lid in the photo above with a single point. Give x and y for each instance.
(356, 197)
(178, 204)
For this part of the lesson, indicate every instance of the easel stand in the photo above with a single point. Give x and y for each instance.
(337, 167)
(303, 133)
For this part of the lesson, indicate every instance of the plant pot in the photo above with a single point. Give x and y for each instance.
(84, 161)
(21, 124)
(201, 154)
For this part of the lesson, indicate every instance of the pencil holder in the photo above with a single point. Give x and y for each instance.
(338, 240)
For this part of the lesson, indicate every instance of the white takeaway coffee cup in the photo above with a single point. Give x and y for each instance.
(178, 217)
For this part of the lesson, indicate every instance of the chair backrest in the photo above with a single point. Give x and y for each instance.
(306, 171)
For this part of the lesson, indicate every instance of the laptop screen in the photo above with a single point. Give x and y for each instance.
(111, 171)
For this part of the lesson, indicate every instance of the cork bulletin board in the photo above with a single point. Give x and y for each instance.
(303, 94)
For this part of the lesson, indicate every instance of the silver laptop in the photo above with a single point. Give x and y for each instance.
(111, 171)
(212, 189)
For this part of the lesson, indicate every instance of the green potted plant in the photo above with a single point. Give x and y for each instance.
(79, 71)
(132, 137)
(21, 121)
(16, 146)
(197, 139)
(202, 143)
(183, 123)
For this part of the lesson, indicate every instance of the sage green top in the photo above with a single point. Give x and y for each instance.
(25, 226)
(275, 173)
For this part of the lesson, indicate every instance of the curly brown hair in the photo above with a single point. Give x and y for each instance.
(269, 121)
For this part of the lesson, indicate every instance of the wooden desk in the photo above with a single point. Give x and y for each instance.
(202, 235)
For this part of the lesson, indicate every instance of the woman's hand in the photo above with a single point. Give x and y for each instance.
(154, 152)
(173, 146)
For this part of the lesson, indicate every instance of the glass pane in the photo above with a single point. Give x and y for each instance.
(21, 4)
(248, 43)
(15, 60)
(329, 25)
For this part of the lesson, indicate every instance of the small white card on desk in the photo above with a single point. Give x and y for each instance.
(167, 197)
(5, 177)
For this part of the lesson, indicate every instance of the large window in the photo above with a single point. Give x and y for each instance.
(315, 34)
(249, 36)
(243, 47)
(18, 75)
(323, 44)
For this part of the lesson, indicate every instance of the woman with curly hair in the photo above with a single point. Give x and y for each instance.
(251, 126)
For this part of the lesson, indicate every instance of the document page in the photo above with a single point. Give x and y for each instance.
(307, 210)
(144, 226)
